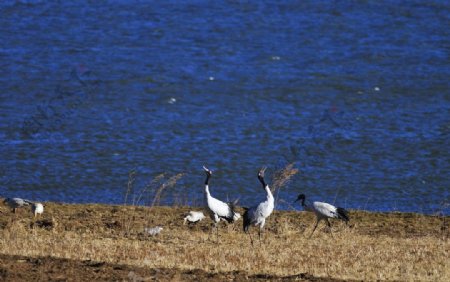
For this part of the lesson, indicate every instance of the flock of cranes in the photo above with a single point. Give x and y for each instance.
(225, 211)
(257, 214)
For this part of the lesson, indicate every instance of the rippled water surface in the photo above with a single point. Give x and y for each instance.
(356, 93)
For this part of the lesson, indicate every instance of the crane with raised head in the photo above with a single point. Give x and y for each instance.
(217, 209)
(257, 215)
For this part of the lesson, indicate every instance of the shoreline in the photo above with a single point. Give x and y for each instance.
(295, 208)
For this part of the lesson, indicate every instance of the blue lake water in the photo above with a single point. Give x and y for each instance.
(355, 93)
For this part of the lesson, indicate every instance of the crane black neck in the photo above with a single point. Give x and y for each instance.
(261, 179)
(303, 201)
(302, 198)
(207, 178)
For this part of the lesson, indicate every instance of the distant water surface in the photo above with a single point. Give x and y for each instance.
(355, 93)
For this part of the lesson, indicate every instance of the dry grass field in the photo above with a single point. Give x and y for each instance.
(104, 242)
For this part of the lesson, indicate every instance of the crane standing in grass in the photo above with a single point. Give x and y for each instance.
(15, 203)
(257, 215)
(217, 209)
(37, 208)
(323, 211)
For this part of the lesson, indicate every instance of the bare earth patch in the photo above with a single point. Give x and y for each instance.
(16, 268)
(104, 242)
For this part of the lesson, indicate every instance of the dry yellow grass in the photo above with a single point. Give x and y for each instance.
(386, 246)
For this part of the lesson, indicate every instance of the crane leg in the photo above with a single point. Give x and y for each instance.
(217, 232)
(250, 235)
(211, 231)
(259, 236)
(329, 227)
(314, 229)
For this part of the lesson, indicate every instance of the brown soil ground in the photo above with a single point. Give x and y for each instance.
(105, 242)
(17, 268)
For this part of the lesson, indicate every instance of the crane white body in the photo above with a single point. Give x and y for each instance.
(323, 211)
(37, 209)
(217, 209)
(257, 215)
(15, 203)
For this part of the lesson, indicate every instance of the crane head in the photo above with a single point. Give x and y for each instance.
(261, 172)
(208, 172)
(300, 197)
(261, 176)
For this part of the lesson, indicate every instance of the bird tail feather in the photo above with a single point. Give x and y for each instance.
(232, 215)
(246, 220)
(343, 214)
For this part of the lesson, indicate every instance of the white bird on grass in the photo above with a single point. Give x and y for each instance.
(323, 211)
(194, 217)
(257, 215)
(15, 203)
(153, 231)
(217, 209)
(37, 209)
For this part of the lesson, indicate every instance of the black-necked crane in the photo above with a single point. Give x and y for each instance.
(15, 203)
(217, 209)
(323, 211)
(257, 214)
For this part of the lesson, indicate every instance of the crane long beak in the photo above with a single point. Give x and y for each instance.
(262, 170)
(207, 170)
